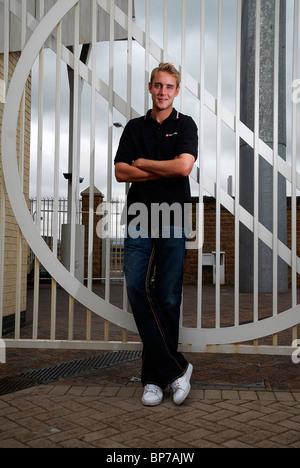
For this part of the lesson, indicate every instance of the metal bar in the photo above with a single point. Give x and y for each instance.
(36, 290)
(294, 155)
(45, 218)
(183, 56)
(57, 141)
(165, 32)
(2, 251)
(71, 319)
(109, 155)
(110, 146)
(251, 350)
(75, 165)
(129, 107)
(237, 164)
(218, 165)
(6, 32)
(200, 228)
(75, 146)
(294, 164)
(147, 55)
(55, 221)
(136, 346)
(94, 19)
(275, 155)
(18, 303)
(40, 134)
(129, 60)
(182, 92)
(53, 309)
(18, 285)
(22, 107)
(73, 345)
(39, 179)
(256, 162)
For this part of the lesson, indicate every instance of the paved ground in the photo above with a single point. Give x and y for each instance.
(236, 401)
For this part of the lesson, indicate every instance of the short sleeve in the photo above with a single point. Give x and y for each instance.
(124, 152)
(189, 138)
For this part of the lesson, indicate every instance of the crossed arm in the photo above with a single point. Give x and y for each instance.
(143, 170)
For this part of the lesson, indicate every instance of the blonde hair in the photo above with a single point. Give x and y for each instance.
(169, 68)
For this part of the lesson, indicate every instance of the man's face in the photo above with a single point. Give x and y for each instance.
(163, 90)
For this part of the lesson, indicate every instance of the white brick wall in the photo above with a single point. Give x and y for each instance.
(11, 227)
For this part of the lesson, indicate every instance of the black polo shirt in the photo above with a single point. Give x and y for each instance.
(145, 138)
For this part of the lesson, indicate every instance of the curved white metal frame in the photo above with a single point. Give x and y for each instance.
(197, 338)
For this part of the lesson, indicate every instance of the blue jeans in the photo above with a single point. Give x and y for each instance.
(154, 276)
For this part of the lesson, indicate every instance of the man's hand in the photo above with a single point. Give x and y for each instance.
(131, 174)
(179, 167)
(144, 170)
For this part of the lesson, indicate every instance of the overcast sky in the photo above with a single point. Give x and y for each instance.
(120, 84)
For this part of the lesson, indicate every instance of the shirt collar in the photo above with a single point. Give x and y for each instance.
(173, 116)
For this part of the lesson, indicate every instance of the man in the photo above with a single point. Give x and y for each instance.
(156, 154)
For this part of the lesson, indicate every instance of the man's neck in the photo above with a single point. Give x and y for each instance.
(161, 116)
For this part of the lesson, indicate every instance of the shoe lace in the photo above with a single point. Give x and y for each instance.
(152, 388)
(176, 385)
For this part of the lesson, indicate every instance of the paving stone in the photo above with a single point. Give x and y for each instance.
(80, 419)
(103, 409)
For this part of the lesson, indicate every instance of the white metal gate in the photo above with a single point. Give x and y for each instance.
(200, 40)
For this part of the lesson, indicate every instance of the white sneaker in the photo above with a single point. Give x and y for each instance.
(153, 395)
(182, 387)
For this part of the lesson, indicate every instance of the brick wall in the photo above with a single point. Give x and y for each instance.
(97, 242)
(11, 227)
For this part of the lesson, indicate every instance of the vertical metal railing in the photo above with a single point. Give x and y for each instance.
(94, 20)
(294, 146)
(6, 32)
(275, 163)
(237, 164)
(295, 71)
(218, 161)
(39, 175)
(201, 154)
